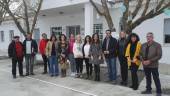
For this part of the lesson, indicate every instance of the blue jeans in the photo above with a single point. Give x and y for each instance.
(111, 64)
(30, 60)
(72, 62)
(54, 70)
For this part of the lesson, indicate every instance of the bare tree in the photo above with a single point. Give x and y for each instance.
(133, 17)
(24, 15)
(2, 13)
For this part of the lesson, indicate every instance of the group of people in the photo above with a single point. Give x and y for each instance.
(62, 53)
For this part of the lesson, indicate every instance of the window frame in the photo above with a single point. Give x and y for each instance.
(98, 29)
(58, 32)
(11, 36)
(164, 43)
(2, 39)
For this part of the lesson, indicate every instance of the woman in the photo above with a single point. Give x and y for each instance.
(63, 54)
(42, 46)
(96, 55)
(78, 55)
(52, 54)
(86, 49)
(132, 55)
(71, 55)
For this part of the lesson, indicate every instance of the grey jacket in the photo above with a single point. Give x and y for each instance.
(95, 52)
(154, 54)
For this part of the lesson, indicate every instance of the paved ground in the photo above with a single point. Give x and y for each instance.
(44, 85)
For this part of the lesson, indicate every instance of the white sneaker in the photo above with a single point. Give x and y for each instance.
(72, 74)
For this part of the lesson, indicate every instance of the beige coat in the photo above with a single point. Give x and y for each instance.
(48, 48)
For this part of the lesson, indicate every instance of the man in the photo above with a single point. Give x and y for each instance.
(109, 48)
(30, 49)
(151, 53)
(15, 51)
(42, 46)
(122, 43)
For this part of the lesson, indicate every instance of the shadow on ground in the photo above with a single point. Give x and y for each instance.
(104, 76)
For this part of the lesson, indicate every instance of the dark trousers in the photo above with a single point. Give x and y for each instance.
(123, 68)
(89, 67)
(97, 71)
(20, 66)
(79, 65)
(155, 74)
(46, 62)
(134, 69)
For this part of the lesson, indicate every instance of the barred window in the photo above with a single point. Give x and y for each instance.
(98, 28)
(56, 31)
(11, 35)
(2, 36)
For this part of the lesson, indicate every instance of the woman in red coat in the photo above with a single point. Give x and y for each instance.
(42, 46)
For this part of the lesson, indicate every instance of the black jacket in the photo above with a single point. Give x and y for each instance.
(122, 44)
(12, 50)
(34, 46)
(112, 47)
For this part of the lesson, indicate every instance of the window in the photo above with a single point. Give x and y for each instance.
(98, 28)
(167, 31)
(37, 35)
(11, 35)
(73, 30)
(56, 30)
(2, 36)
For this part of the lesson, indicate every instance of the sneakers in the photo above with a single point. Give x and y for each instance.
(72, 74)
(146, 92)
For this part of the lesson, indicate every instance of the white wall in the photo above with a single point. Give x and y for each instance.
(6, 27)
(45, 23)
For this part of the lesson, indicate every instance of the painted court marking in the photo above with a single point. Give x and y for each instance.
(57, 85)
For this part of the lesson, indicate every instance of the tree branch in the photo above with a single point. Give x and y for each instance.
(138, 7)
(26, 16)
(146, 8)
(97, 9)
(36, 15)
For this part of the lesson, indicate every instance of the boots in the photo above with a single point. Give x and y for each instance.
(63, 72)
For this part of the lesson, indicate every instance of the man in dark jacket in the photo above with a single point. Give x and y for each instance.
(109, 48)
(151, 53)
(30, 50)
(15, 51)
(122, 43)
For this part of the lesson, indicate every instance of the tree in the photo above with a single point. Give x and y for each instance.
(24, 13)
(133, 17)
(2, 14)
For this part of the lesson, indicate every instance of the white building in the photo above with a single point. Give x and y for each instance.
(79, 16)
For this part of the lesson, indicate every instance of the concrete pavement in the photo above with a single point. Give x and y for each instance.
(44, 85)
